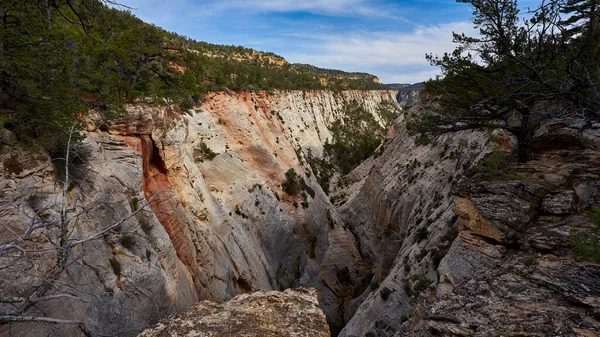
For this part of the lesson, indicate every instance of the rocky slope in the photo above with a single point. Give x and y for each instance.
(491, 256)
(219, 224)
(426, 237)
(293, 312)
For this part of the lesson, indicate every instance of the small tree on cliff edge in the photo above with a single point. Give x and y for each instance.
(496, 79)
(46, 270)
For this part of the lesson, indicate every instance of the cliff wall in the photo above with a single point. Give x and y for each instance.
(427, 236)
(468, 244)
(219, 223)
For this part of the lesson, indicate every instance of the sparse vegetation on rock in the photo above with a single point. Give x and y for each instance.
(355, 137)
(586, 244)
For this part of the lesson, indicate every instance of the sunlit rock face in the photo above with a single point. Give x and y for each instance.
(396, 249)
(219, 223)
(293, 312)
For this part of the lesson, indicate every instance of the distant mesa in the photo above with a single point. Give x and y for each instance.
(408, 94)
(406, 87)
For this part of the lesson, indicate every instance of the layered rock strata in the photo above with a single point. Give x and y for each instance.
(219, 223)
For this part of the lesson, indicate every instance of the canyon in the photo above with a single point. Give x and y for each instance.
(410, 242)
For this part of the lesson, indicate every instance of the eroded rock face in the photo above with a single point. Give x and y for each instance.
(509, 268)
(219, 224)
(500, 211)
(293, 312)
(403, 242)
(400, 210)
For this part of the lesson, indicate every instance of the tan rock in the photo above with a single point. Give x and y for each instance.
(293, 313)
(469, 217)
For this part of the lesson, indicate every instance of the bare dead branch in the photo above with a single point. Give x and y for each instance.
(39, 319)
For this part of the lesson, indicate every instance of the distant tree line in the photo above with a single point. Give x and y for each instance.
(59, 58)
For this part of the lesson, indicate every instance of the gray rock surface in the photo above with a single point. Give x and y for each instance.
(511, 269)
(293, 313)
(406, 244)
(215, 229)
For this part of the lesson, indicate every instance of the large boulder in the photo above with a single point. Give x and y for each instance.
(294, 312)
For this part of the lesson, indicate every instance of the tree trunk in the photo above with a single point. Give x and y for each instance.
(524, 139)
(133, 80)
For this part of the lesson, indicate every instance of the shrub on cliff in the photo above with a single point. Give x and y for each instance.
(355, 137)
(587, 244)
(291, 185)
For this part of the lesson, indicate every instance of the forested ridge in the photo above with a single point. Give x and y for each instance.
(59, 58)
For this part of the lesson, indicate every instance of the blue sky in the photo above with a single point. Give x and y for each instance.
(382, 37)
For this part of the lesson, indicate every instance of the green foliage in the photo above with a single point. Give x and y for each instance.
(423, 140)
(204, 152)
(304, 202)
(59, 58)
(497, 78)
(586, 245)
(494, 164)
(307, 188)
(291, 185)
(355, 137)
(421, 234)
(323, 171)
(594, 215)
(388, 111)
(580, 17)
(135, 203)
(39, 72)
(418, 284)
(187, 103)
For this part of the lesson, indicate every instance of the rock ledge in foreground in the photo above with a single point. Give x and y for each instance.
(293, 312)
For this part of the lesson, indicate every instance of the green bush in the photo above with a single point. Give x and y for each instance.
(494, 166)
(323, 170)
(204, 152)
(135, 203)
(291, 185)
(186, 104)
(594, 215)
(355, 137)
(421, 233)
(388, 111)
(419, 283)
(586, 245)
(423, 140)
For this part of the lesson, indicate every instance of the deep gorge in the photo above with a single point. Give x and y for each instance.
(390, 250)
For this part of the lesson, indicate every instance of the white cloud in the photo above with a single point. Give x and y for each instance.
(352, 8)
(394, 57)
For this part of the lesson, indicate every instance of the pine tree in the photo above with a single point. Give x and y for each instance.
(582, 29)
(582, 16)
(497, 79)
